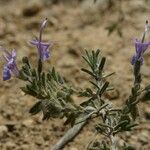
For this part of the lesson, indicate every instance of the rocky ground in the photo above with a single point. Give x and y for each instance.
(73, 26)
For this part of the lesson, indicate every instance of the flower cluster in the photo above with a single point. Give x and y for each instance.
(43, 51)
(10, 66)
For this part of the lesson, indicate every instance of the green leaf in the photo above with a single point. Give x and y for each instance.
(102, 90)
(89, 91)
(130, 126)
(134, 112)
(88, 55)
(25, 60)
(107, 75)
(94, 60)
(39, 66)
(94, 84)
(29, 92)
(84, 93)
(87, 61)
(121, 124)
(22, 76)
(85, 103)
(51, 109)
(49, 76)
(102, 63)
(71, 119)
(26, 70)
(60, 79)
(89, 72)
(90, 59)
(97, 53)
(36, 108)
(32, 89)
(43, 80)
(34, 73)
(54, 74)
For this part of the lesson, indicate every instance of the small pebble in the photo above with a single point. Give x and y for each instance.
(112, 95)
(28, 122)
(10, 145)
(73, 148)
(3, 130)
(32, 8)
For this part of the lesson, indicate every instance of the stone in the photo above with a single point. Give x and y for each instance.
(112, 95)
(3, 130)
(25, 146)
(28, 122)
(73, 148)
(32, 8)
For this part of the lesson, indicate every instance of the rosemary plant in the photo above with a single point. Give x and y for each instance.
(53, 94)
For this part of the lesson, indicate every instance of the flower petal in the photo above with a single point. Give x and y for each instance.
(45, 55)
(13, 53)
(6, 73)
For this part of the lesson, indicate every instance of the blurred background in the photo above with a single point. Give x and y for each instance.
(74, 25)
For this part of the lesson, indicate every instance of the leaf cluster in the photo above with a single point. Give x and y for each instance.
(112, 120)
(54, 96)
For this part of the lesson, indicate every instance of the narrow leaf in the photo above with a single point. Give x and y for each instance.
(39, 66)
(25, 60)
(94, 84)
(89, 72)
(36, 108)
(97, 52)
(102, 63)
(104, 88)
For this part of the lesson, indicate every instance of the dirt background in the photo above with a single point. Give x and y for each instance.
(73, 26)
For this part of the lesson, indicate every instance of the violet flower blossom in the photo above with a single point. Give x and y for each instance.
(10, 66)
(140, 47)
(42, 46)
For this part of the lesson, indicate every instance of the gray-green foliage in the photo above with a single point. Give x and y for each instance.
(53, 95)
(54, 98)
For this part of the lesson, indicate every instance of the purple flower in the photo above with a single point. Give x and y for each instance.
(43, 48)
(10, 66)
(140, 47)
